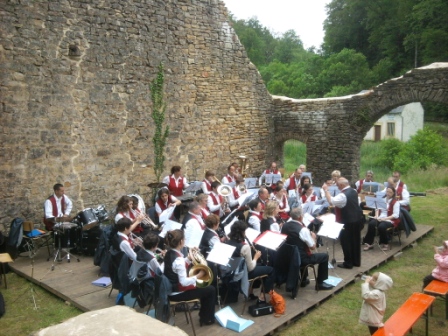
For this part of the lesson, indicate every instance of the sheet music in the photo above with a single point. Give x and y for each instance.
(193, 187)
(252, 234)
(168, 226)
(370, 187)
(221, 253)
(333, 190)
(292, 193)
(270, 239)
(268, 178)
(317, 192)
(307, 219)
(250, 182)
(166, 214)
(330, 229)
(243, 197)
(308, 207)
(307, 174)
(328, 217)
(228, 227)
(380, 203)
(194, 238)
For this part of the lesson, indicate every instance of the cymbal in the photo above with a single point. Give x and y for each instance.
(157, 185)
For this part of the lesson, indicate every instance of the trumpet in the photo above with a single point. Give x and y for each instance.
(200, 264)
(147, 221)
(242, 188)
(216, 180)
(136, 240)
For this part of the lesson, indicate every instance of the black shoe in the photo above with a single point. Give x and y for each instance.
(196, 306)
(305, 283)
(345, 266)
(261, 302)
(324, 286)
(201, 322)
(252, 297)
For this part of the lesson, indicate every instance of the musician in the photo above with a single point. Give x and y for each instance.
(238, 190)
(210, 236)
(271, 170)
(124, 229)
(124, 210)
(359, 184)
(237, 168)
(231, 175)
(215, 202)
(269, 221)
(237, 238)
(202, 200)
(184, 287)
(263, 197)
(328, 182)
(299, 235)
(57, 206)
(335, 175)
(207, 182)
(150, 243)
(165, 201)
(384, 220)
(194, 225)
(140, 230)
(294, 181)
(255, 216)
(398, 183)
(401, 194)
(282, 199)
(176, 182)
(307, 194)
(349, 213)
(303, 167)
(303, 180)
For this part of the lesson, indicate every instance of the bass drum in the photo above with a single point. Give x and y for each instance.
(87, 219)
(101, 213)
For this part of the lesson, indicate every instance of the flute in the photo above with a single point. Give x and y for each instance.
(255, 250)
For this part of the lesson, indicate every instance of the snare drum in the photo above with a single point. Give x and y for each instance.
(63, 226)
(66, 234)
(101, 213)
(87, 219)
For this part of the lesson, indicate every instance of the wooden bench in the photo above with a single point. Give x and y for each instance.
(405, 317)
(438, 288)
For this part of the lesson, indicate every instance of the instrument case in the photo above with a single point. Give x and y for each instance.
(261, 309)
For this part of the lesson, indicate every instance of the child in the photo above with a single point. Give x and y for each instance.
(441, 271)
(374, 304)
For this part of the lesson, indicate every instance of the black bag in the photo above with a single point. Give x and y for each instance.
(2, 305)
(261, 309)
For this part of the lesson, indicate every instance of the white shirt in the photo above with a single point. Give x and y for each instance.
(126, 247)
(166, 180)
(157, 206)
(153, 264)
(120, 215)
(305, 236)
(204, 187)
(282, 202)
(193, 227)
(340, 200)
(395, 213)
(255, 221)
(227, 179)
(212, 207)
(181, 271)
(274, 226)
(214, 239)
(288, 181)
(232, 200)
(49, 207)
(404, 195)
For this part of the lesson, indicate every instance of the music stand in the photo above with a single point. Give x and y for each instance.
(330, 229)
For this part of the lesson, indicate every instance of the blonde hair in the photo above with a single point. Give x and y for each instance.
(271, 206)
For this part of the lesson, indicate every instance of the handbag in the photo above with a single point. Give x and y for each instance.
(260, 309)
(278, 302)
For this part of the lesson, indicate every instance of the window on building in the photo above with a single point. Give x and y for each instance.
(390, 129)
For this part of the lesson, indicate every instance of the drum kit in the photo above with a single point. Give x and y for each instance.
(79, 236)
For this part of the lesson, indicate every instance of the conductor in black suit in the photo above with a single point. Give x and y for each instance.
(305, 240)
(349, 213)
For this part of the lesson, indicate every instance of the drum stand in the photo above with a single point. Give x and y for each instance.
(58, 255)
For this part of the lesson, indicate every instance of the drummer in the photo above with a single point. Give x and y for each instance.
(57, 207)
(124, 210)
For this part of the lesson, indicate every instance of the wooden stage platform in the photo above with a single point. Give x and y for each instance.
(72, 282)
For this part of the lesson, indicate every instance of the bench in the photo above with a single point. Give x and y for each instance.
(438, 288)
(407, 315)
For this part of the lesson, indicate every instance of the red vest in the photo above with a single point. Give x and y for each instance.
(176, 190)
(49, 224)
(208, 185)
(204, 214)
(390, 211)
(292, 183)
(184, 288)
(400, 190)
(215, 202)
(361, 182)
(283, 215)
(304, 198)
(128, 240)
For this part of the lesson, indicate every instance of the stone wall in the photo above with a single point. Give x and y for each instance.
(75, 101)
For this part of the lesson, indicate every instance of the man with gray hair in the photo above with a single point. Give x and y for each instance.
(359, 184)
(349, 213)
(305, 240)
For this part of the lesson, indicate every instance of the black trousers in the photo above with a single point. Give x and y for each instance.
(350, 238)
(427, 280)
(206, 295)
(317, 258)
(268, 282)
(382, 231)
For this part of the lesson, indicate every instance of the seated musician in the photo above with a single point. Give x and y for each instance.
(269, 221)
(215, 202)
(282, 198)
(184, 287)
(335, 175)
(254, 217)
(124, 210)
(307, 194)
(193, 223)
(230, 176)
(210, 236)
(207, 182)
(124, 228)
(150, 243)
(398, 183)
(303, 180)
(401, 194)
(299, 235)
(202, 201)
(165, 201)
(237, 238)
(263, 197)
(384, 220)
(143, 228)
(57, 207)
(360, 183)
(238, 190)
(294, 181)
(237, 168)
(176, 182)
(328, 182)
(271, 170)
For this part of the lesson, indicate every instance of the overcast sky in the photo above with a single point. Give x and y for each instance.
(306, 17)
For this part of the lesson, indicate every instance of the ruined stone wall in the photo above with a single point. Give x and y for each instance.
(75, 100)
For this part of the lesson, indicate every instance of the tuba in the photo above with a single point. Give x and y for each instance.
(243, 165)
(225, 191)
(200, 264)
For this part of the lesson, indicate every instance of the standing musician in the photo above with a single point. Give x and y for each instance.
(269, 221)
(255, 216)
(165, 200)
(207, 182)
(57, 207)
(281, 197)
(202, 200)
(271, 170)
(294, 181)
(349, 213)
(194, 222)
(384, 220)
(184, 287)
(215, 202)
(231, 175)
(124, 210)
(359, 184)
(176, 182)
